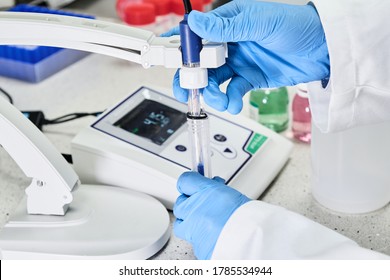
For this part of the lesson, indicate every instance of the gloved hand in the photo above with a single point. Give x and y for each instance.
(271, 45)
(203, 209)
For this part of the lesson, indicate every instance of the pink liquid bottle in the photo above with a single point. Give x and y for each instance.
(301, 115)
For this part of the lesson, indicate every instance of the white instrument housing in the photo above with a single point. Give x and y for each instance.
(142, 143)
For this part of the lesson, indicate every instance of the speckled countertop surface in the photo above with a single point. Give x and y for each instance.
(98, 82)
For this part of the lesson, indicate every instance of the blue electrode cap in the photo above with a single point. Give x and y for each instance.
(191, 44)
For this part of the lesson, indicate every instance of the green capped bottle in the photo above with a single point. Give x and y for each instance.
(270, 107)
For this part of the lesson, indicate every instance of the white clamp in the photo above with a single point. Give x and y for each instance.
(193, 78)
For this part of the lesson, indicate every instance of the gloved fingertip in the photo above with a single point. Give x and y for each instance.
(200, 22)
(182, 181)
(215, 98)
(185, 174)
(234, 109)
(181, 95)
(235, 103)
(219, 179)
(192, 182)
(236, 89)
(173, 31)
(166, 34)
(196, 17)
(180, 199)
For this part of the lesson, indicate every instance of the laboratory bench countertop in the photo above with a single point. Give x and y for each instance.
(98, 82)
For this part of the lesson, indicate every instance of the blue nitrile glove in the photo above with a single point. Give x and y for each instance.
(271, 45)
(203, 209)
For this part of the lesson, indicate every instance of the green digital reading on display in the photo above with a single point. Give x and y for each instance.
(152, 120)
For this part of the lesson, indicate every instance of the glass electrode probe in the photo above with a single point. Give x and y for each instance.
(194, 78)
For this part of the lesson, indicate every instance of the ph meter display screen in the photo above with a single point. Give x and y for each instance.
(152, 120)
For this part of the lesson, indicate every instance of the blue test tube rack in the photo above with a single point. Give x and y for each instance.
(36, 63)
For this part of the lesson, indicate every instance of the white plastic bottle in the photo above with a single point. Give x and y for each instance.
(351, 169)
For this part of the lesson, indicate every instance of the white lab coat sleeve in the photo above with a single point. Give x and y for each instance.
(358, 38)
(258, 230)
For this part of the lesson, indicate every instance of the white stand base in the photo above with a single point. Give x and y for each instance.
(102, 223)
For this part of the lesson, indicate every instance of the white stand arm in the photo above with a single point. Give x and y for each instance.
(121, 41)
(52, 177)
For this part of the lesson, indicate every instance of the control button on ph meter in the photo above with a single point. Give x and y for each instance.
(227, 152)
(181, 148)
(220, 138)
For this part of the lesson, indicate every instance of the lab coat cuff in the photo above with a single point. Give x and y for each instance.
(340, 46)
(331, 112)
(332, 107)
